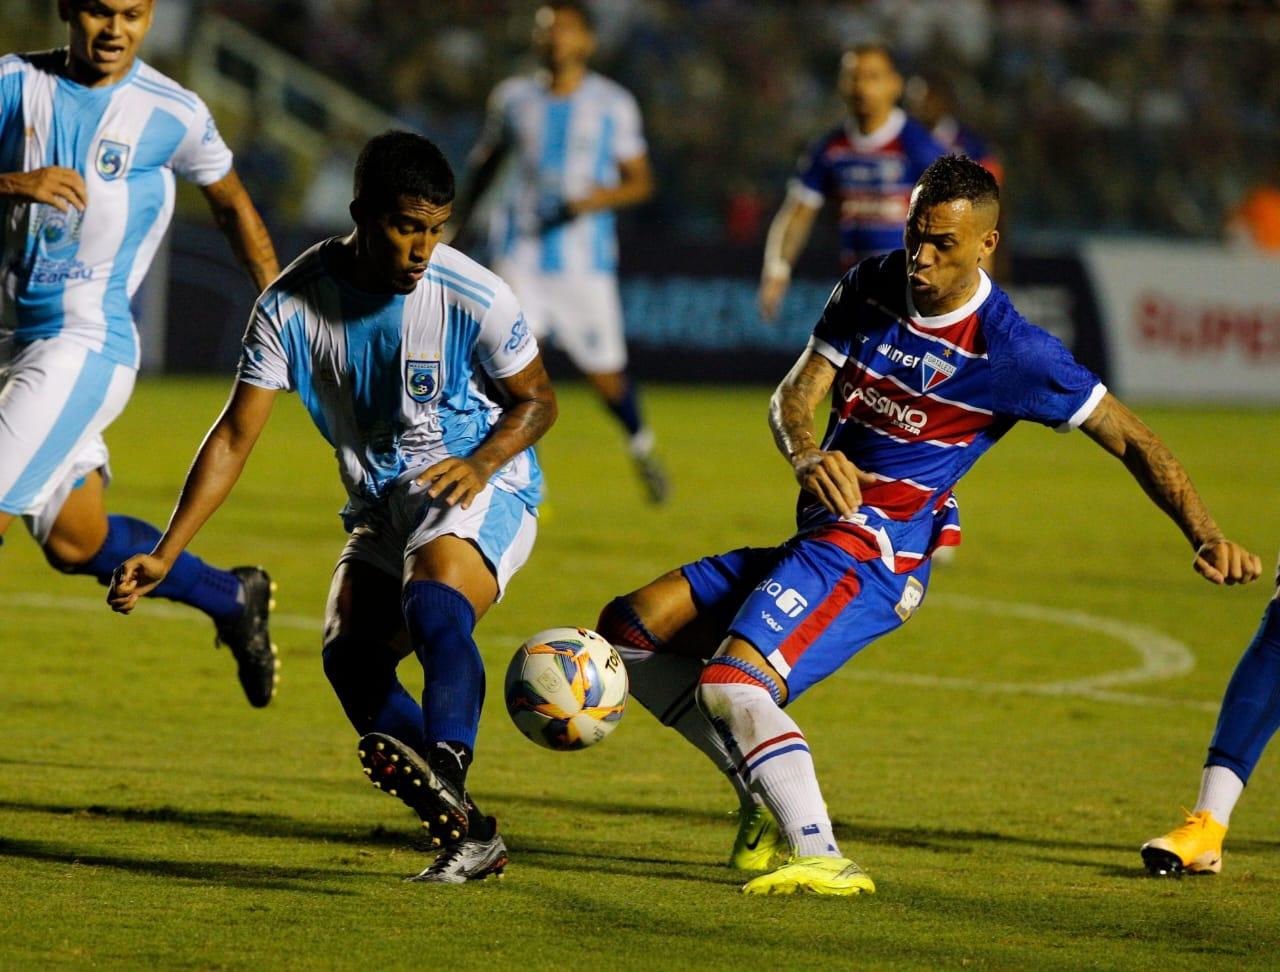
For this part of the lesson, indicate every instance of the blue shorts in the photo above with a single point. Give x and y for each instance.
(807, 606)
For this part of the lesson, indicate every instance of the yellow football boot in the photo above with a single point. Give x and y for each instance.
(759, 842)
(816, 875)
(1194, 848)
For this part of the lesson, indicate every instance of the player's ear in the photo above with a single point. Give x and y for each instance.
(990, 242)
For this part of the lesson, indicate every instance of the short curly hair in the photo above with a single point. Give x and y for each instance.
(953, 177)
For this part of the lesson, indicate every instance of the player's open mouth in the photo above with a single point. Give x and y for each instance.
(108, 52)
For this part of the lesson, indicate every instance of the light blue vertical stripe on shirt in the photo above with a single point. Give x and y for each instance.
(81, 406)
(297, 350)
(602, 252)
(463, 422)
(74, 118)
(373, 326)
(555, 153)
(11, 139)
(145, 183)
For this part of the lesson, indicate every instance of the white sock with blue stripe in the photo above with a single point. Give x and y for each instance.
(774, 757)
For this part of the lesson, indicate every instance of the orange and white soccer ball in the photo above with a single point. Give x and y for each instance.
(566, 688)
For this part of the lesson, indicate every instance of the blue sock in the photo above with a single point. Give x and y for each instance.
(1250, 711)
(191, 581)
(627, 409)
(440, 622)
(364, 677)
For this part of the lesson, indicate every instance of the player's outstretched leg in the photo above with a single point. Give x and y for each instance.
(743, 702)
(619, 393)
(665, 683)
(239, 601)
(1249, 717)
(400, 771)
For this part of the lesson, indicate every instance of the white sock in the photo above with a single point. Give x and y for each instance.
(775, 759)
(665, 685)
(641, 444)
(1220, 788)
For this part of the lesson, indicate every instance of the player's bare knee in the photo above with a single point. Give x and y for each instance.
(68, 553)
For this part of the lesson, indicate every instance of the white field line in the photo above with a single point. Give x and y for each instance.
(1161, 656)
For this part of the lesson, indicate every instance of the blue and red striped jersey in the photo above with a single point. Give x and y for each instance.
(870, 177)
(918, 399)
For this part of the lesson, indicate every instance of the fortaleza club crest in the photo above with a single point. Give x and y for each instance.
(112, 159)
(422, 378)
(936, 371)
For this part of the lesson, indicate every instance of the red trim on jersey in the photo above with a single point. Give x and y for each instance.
(965, 334)
(899, 500)
(810, 630)
(854, 540)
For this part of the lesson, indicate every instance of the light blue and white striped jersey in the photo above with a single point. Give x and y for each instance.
(393, 382)
(71, 275)
(563, 147)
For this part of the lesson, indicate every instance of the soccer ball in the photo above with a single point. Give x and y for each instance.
(566, 688)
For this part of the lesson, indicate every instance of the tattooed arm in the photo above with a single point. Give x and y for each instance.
(240, 223)
(829, 476)
(528, 411)
(1150, 462)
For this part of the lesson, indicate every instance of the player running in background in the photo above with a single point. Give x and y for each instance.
(867, 165)
(577, 152)
(1249, 717)
(927, 364)
(391, 341)
(90, 139)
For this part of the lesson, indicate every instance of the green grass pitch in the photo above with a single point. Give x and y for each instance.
(994, 765)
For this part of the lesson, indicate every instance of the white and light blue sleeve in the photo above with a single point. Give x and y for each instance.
(264, 360)
(505, 345)
(202, 156)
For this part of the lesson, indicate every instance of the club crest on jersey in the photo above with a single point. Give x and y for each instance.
(422, 379)
(936, 371)
(111, 159)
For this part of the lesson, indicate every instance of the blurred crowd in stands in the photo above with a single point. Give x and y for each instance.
(1114, 116)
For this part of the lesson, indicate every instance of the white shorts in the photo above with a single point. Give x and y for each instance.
(497, 522)
(582, 312)
(56, 398)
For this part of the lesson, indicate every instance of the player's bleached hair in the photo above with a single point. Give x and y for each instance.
(872, 47)
(579, 7)
(953, 177)
(398, 163)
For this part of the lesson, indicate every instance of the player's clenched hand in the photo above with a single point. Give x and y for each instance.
(832, 478)
(1225, 562)
(138, 575)
(456, 481)
(772, 290)
(54, 185)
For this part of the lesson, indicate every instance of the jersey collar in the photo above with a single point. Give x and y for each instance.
(960, 313)
(881, 137)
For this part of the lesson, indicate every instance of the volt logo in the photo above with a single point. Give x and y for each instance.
(790, 601)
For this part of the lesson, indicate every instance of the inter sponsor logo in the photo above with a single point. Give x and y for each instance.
(898, 356)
